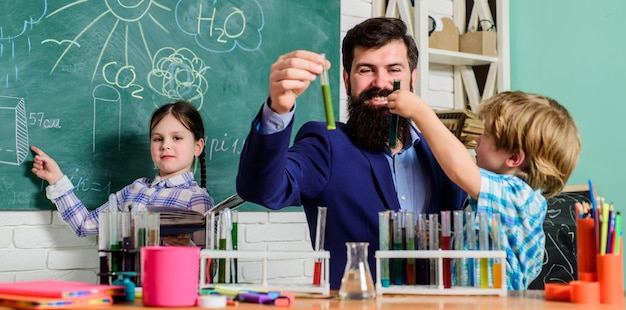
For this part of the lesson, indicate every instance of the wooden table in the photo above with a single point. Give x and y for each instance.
(515, 300)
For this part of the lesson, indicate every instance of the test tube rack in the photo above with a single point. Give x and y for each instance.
(323, 288)
(438, 289)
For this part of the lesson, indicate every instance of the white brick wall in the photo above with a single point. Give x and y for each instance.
(39, 245)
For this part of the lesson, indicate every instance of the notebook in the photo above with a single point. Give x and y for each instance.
(59, 289)
(34, 302)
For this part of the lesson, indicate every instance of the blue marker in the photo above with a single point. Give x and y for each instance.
(592, 197)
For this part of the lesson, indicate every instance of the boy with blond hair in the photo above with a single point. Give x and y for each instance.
(527, 152)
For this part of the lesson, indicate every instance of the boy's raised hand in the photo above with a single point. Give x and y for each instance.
(405, 103)
(44, 167)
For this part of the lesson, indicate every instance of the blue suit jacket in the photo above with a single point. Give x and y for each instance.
(324, 168)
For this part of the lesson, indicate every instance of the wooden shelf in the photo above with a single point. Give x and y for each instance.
(445, 57)
(465, 89)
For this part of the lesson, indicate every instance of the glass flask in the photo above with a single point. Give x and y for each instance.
(357, 283)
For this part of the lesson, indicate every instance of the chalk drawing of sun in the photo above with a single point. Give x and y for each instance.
(135, 22)
(127, 13)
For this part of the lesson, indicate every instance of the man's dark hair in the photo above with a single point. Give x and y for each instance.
(374, 33)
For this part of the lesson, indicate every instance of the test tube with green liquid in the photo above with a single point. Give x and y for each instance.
(328, 98)
(460, 276)
(235, 240)
(393, 121)
(483, 245)
(383, 241)
(225, 227)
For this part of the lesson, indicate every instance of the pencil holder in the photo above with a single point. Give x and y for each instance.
(170, 275)
(586, 250)
(611, 278)
(582, 292)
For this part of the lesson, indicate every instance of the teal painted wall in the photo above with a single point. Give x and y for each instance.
(575, 52)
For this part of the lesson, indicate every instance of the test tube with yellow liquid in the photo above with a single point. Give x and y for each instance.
(483, 245)
(497, 246)
(328, 98)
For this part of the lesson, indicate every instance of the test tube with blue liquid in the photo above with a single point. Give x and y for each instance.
(459, 263)
(483, 244)
(470, 240)
(423, 270)
(383, 243)
(433, 244)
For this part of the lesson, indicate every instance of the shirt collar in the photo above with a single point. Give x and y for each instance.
(174, 181)
(415, 139)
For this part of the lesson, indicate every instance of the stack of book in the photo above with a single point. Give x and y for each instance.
(464, 124)
(177, 221)
(56, 294)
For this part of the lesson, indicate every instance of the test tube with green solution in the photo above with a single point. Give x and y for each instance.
(225, 228)
(393, 121)
(460, 276)
(235, 240)
(383, 241)
(483, 245)
(328, 98)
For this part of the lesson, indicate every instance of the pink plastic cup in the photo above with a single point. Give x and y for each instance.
(170, 276)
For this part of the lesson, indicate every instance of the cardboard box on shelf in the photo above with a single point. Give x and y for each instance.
(479, 42)
(447, 38)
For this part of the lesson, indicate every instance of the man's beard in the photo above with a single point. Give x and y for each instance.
(368, 124)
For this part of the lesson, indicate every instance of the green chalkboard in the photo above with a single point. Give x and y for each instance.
(80, 79)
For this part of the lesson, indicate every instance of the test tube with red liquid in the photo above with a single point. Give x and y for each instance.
(319, 244)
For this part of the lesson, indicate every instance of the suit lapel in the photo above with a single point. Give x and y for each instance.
(383, 179)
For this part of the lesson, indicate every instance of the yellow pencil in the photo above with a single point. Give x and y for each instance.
(605, 227)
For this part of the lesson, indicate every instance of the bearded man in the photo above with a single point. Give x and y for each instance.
(351, 171)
